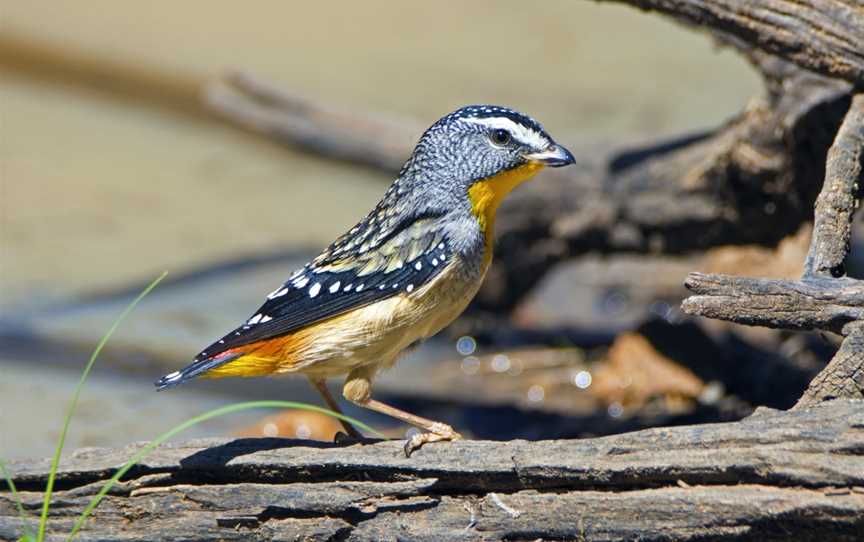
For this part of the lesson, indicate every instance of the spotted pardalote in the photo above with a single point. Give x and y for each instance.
(401, 274)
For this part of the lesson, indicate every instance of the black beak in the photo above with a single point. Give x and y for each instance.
(554, 156)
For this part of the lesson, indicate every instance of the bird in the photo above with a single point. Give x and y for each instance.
(400, 275)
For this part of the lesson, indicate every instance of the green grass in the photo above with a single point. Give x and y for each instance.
(55, 462)
(39, 536)
(28, 535)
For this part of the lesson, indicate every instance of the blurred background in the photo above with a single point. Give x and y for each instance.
(112, 170)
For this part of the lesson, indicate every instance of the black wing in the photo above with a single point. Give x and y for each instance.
(339, 281)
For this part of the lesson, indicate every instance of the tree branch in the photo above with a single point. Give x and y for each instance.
(839, 198)
(822, 299)
(819, 304)
(377, 140)
(844, 375)
(826, 36)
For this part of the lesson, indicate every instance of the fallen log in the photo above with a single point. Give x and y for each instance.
(776, 475)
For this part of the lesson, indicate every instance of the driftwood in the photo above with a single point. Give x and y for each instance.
(823, 299)
(774, 476)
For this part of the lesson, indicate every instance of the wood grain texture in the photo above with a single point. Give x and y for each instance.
(825, 36)
(844, 375)
(772, 476)
(783, 304)
(840, 196)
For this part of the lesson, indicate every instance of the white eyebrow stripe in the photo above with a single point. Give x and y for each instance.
(523, 134)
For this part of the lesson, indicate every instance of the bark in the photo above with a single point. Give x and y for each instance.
(774, 476)
(826, 36)
(807, 304)
(844, 375)
(839, 198)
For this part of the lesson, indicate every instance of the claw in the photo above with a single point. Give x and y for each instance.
(442, 433)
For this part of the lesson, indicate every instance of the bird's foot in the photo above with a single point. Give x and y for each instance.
(437, 432)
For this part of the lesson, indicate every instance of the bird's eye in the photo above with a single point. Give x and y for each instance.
(500, 137)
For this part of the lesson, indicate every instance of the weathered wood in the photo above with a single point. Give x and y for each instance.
(844, 375)
(774, 476)
(820, 304)
(839, 198)
(826, 36)
(823, 299)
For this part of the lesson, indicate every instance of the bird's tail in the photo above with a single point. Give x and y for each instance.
(195, 369)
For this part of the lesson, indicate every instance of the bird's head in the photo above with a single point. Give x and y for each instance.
(483, 152)
(481, 141)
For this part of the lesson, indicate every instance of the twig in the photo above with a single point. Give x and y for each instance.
(513, 513)
(378, 140)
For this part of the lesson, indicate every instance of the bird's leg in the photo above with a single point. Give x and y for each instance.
(321, 386)
(436, 431)
(358, 390)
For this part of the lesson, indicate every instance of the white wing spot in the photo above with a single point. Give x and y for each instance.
(314, 289)
(335, 287)
(221, 341)
(382, 286)
(440, 246)
(255, 319)
(360, 286)
(348, 287)
(279, 292)
(435, 261)
(173, 376)
(409, 288)
(301, 282)
(266, 319)
(418, 266)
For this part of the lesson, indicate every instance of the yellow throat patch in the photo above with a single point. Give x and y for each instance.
(487, 194)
